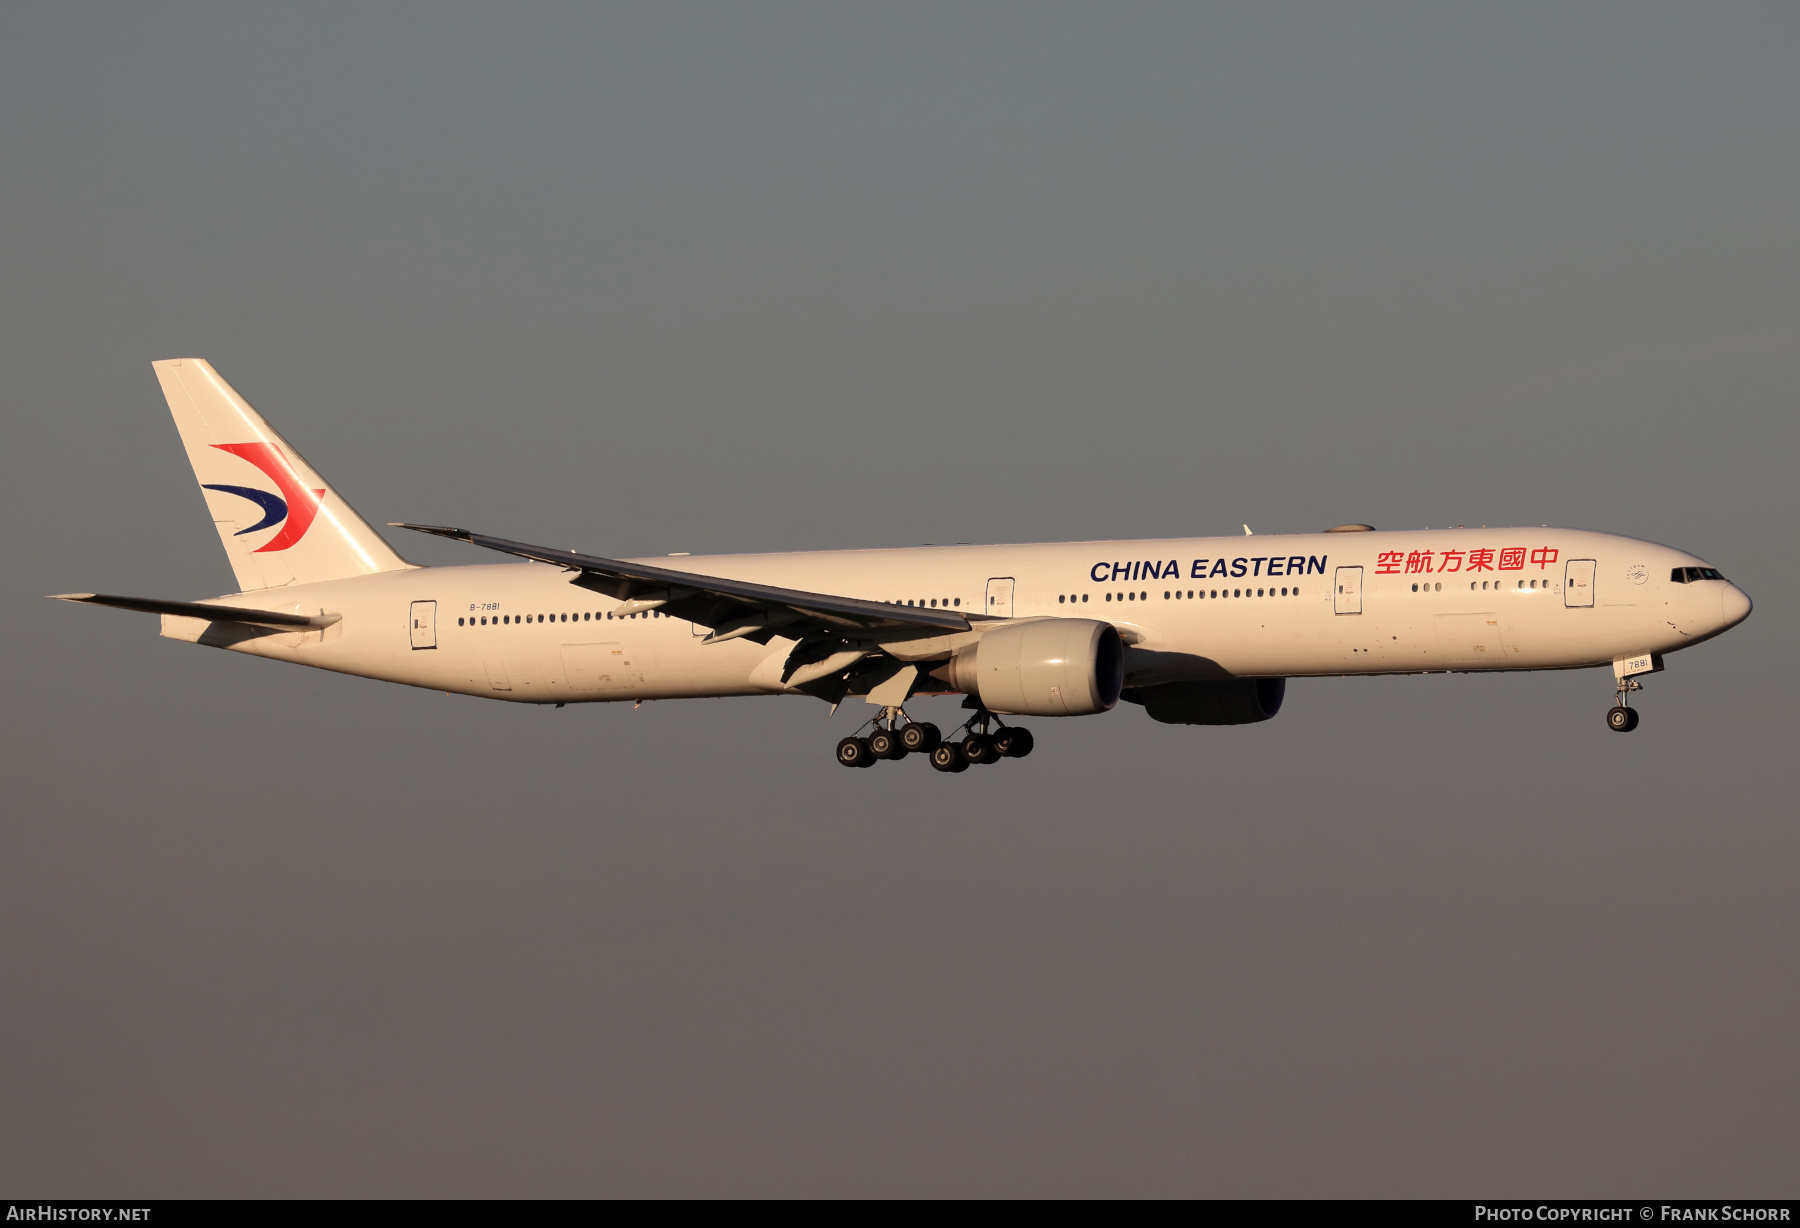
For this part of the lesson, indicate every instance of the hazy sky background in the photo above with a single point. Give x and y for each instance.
(715, 278)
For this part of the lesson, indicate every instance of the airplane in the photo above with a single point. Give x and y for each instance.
(1195, 630)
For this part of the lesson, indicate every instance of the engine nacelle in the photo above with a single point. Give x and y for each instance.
(1239, 701)
(1045, 667)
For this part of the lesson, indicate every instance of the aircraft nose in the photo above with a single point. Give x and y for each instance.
(1734, 605)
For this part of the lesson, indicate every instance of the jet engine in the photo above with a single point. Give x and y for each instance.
(1045, 667)
(1238, 701)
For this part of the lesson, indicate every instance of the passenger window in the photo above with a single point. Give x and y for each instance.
(1084, 596)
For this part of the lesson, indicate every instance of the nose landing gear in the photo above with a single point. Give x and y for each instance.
(1619, 718)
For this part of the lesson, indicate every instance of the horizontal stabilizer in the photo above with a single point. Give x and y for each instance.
(206, 610)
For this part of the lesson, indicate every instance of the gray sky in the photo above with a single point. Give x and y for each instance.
(656, 278)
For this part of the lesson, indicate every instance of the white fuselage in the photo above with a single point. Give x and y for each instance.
(1263, 606)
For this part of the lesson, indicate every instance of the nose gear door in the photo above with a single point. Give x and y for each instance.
(1348, 598)
(424, 624)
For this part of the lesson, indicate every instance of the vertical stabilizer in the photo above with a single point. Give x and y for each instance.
(280, 522)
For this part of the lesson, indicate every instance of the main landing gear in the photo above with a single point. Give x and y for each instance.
(890, 739)
(1619, 718)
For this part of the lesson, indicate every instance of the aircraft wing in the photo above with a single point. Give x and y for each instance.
(732, 608)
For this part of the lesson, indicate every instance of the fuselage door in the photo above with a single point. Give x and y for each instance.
(1000, 597)
(1578, 583)
(424, 624)
(1348, 598)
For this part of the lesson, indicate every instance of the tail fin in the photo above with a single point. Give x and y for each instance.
(279, 520)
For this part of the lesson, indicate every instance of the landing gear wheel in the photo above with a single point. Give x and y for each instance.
(949, 757)
(855, 752)
(886, 744)
(980, 748)
(921, 736)
(1622, 719)
(1634, 720)
(1013, 743)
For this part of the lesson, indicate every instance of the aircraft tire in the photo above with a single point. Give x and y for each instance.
(921, 736)
(1621, 720)
(949, 757)
(980, 748)
(1014, 743)
(886, 744)
(855, 752)
(1634, 720)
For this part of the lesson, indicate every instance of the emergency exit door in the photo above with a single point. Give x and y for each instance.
(1000, 597)
(424, 624)
(1348, 598)
(1578, 582)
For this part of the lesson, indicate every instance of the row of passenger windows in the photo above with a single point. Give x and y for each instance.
(934, 602)
(1438, 588)
(508, 620)
(1191, 594)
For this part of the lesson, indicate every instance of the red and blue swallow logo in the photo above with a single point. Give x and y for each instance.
(296, 504)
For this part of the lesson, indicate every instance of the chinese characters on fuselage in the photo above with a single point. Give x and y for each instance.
(1419, 562)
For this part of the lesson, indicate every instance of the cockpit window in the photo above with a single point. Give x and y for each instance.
(1687, 575)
